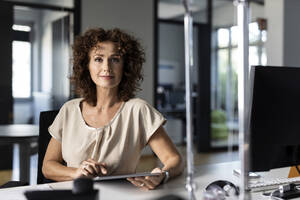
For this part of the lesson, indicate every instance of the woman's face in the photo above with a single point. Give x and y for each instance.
(106, 65)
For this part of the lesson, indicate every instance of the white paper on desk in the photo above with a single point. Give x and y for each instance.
(17, 193)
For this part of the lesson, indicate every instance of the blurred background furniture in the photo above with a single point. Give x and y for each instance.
(26, 136)
(46, 119)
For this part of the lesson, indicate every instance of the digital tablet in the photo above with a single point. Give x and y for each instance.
(124, 176)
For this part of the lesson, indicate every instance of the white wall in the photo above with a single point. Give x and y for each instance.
(291, 33)
(283, 44)
(134, 16)
(274, 10)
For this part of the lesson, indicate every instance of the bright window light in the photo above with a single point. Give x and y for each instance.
(234, 35)
(21, 69)
(21, 28)
(253, 32)
(223, 37)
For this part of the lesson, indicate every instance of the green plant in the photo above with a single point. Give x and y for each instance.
(219, 129)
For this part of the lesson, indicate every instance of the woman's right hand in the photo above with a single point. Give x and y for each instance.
(90, 168)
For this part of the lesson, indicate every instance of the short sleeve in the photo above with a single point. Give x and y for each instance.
(152, 120)
(56, 128)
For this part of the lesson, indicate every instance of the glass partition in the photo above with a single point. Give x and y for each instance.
(225, 70)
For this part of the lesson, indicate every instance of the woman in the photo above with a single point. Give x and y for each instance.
(104, 132)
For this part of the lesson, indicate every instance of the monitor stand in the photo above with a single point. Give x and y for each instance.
(294, 172)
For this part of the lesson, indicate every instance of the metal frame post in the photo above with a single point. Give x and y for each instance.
(188, 47)
(243, 93)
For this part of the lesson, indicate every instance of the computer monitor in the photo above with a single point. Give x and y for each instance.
(176, 97)
(274, 117)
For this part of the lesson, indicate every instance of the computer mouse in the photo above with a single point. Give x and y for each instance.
(83, 186)
(223, 186)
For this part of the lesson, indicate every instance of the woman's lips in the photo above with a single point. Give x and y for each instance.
(106, 77)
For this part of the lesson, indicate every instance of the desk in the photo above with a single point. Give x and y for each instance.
(204, 175)
(23, 135)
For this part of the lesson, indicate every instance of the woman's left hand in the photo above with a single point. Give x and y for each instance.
(148, 182)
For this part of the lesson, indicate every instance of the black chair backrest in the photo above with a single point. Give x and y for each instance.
(46, 119)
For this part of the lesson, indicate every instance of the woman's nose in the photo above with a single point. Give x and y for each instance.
(106, 66)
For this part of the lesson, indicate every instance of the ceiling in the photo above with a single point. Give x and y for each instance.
(170, 9)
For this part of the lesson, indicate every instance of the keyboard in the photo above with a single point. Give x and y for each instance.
(271, 184)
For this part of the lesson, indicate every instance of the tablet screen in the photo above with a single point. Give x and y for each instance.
(124, 176)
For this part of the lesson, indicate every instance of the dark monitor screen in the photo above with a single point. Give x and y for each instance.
(177, 97)
(274, 117)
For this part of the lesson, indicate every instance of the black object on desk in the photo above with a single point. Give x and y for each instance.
(287, 195)
(274, 119)
(82, 190)
(288, 191)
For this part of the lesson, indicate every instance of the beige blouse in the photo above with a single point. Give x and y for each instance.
(118, 144)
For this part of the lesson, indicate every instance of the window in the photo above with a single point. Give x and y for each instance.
(226, 57)
(21, 47)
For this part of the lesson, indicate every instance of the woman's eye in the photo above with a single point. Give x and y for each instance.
(98, 59)
(115, 60)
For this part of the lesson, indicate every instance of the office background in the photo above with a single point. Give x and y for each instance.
(158, 23)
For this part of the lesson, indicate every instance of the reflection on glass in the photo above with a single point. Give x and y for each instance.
(21, 28)
(234, 35)
(21, 69)
(223, 37)
(264, 36)
(263, 56)
(226, 106)
(219, 129)
(234, 61)
(253, 56)
(222, 69)
(253, 32)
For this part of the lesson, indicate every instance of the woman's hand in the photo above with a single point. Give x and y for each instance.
(90, 168)
(148, 182)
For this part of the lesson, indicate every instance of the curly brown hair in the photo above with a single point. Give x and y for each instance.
(129, 48)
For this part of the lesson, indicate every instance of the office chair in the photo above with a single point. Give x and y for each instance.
(46, 119)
